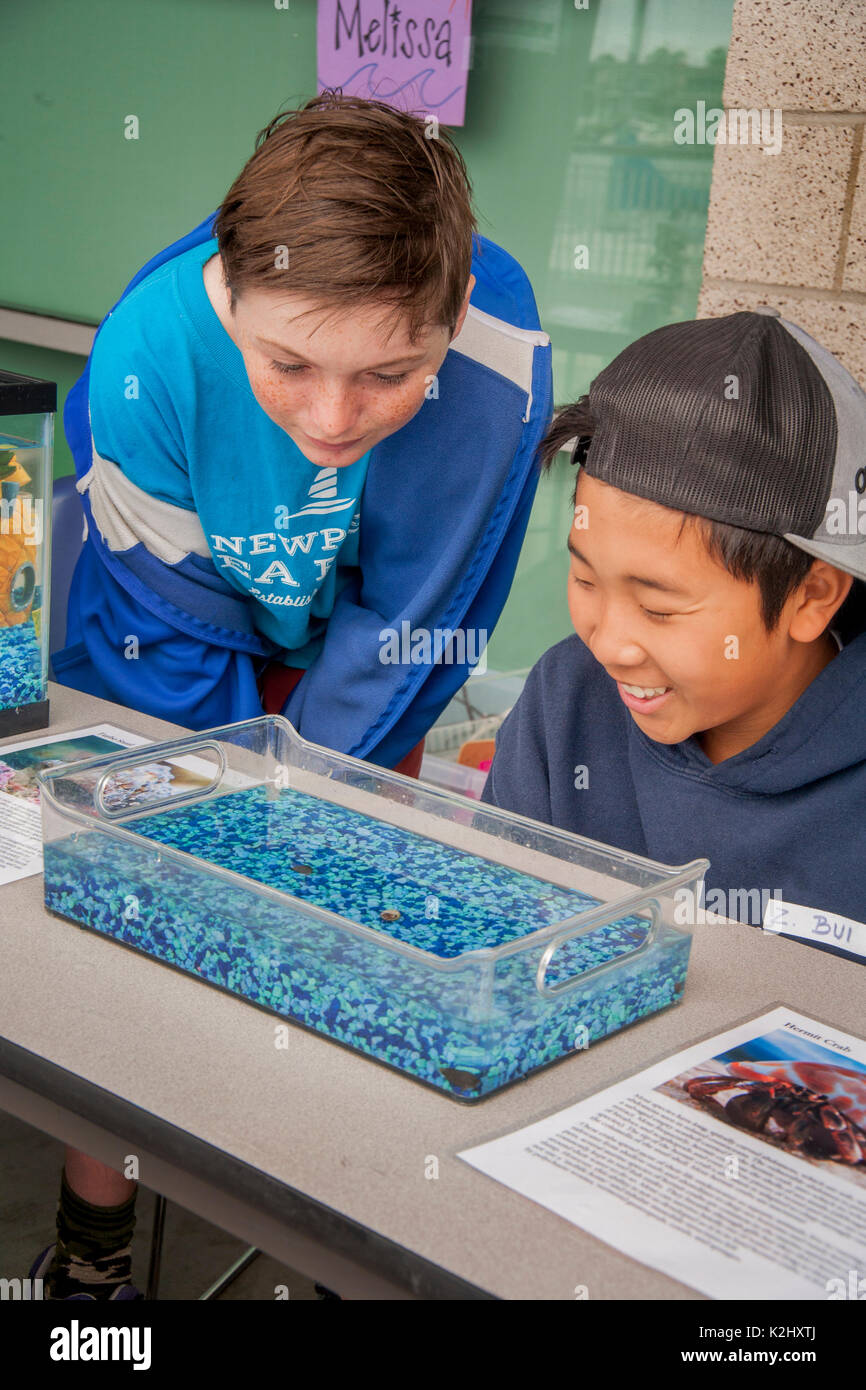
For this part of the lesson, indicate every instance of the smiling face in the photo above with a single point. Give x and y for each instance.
(683, 639)
(336, 380)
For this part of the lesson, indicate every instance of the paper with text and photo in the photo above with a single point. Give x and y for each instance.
(20, 814)
(146, 782)
(737, 1166)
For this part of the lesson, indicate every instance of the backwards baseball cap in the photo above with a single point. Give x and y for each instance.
(743, 419)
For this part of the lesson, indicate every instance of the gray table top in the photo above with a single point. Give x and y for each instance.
(342, 1130)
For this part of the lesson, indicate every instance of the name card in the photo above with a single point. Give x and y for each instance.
(412, 55)
(809, 924)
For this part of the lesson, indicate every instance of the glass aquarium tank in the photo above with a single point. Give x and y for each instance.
(465, 946)
(27, 406)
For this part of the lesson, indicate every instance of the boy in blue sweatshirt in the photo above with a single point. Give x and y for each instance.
(712, 701)
(310, 424)
(307, 427)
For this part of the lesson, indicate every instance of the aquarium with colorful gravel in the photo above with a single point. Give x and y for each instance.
(464, 946)
(27, 406)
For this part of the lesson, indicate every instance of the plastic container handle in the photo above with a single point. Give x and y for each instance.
(140, 757)
(553, 991)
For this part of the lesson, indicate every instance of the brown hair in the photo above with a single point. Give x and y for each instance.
(774, 564)
(362, 206)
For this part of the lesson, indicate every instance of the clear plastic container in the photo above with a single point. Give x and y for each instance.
(468, 781)
(27, 407)
(463, 945)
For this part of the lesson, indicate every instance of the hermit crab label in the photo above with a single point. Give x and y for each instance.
(737, 1166)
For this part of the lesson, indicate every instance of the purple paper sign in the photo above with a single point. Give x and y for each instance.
(413, 55)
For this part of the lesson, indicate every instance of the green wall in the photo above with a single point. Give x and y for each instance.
(568, 140)
(63, 367)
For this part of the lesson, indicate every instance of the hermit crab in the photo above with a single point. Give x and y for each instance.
(811, 1107)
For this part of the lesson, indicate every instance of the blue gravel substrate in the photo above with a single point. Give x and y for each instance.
(359, 867)
(468, 1029)
(21, 676)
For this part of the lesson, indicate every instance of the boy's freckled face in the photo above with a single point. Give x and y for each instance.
(337, 381)
(719, 666)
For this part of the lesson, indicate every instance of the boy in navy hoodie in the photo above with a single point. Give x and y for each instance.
(712, 702)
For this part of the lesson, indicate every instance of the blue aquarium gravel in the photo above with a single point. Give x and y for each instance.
(21, 677)
(466, 1026)
(448, 901)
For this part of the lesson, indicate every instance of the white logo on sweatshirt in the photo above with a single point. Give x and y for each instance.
(323, 494)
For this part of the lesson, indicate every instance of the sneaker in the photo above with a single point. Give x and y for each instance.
(42, 1264)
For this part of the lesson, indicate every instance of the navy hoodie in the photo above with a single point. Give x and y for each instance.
(786, 815)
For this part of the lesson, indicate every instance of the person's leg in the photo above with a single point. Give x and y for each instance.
(95, 1220)
(93, 1181)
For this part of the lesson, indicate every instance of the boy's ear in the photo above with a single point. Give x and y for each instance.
(463, 307)
(821, 595)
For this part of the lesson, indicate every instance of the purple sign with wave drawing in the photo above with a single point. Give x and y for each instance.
(413, 55)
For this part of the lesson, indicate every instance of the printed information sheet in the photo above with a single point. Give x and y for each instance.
(737, 1166)
(145, 782)
(20, 814)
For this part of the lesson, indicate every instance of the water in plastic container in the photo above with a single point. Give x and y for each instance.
(435, 936)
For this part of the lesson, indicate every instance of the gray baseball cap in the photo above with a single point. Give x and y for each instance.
(744, 419)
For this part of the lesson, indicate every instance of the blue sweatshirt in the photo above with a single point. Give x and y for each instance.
(197, 510)
(784, 816)
(281, 530)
